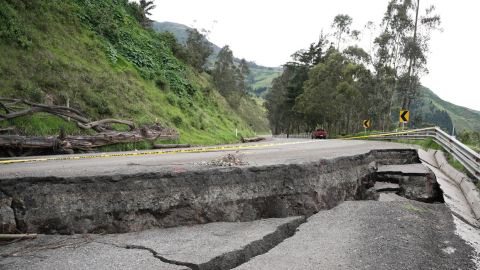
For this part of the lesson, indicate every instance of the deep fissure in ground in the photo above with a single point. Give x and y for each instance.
(200, 194)
(126, 203)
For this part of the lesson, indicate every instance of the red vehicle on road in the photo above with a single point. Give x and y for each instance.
(319, 134)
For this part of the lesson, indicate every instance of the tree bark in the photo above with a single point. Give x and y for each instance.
(162, 146)
(17, 236)
(61, 111)
(6, 129)
(404, 106)
(87, 142)
(105, 121)
(256, 139)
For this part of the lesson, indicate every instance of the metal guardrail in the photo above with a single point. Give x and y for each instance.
(296, 136)
(466, 156)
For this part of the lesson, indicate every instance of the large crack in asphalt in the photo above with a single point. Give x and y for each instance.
(163, 259)
(235, 258)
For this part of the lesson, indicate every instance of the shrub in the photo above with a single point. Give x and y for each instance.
(177, 120)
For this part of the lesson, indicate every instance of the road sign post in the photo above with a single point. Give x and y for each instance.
(366, 124)
(404, 115)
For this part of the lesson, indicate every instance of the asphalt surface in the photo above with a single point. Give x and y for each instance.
(296, 151)
(372, 235)
(190, 245)
(353, 235)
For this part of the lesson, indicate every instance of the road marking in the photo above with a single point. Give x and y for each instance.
(188, 150)
(378, 135)
(154, 153)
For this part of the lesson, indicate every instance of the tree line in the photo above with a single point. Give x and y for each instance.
(335, 84)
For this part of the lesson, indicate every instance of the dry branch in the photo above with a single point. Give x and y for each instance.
(86, 142)
(33, 104)
(86, 239)
(61, 111)
(65, 143)
(256, 139)
(162, 146)
(105, 121)
(17, 236)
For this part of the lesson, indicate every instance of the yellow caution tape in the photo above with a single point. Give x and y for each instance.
(152, 153)
(188, 150)
(380, 135)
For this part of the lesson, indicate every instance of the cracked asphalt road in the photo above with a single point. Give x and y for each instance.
(210, 246)
(372, 235)
(353, 235)
(306, 150)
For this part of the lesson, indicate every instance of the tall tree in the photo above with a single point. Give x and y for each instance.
(197, 50)
(146, 6)
(277, 111)
(229, 79)
(396, 25)
(341, 24)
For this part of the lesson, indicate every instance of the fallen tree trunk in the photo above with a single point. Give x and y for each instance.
(87, 142)
(256, 139)
(17, 236)
(60, 111)
(162, 146)
(105, 121)
(6, 129)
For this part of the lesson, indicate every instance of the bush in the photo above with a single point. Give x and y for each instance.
(171, 99)
(177, 121)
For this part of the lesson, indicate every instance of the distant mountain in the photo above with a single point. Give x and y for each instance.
(443, 113)
(260, 78)
(462, 117)
(180, 31)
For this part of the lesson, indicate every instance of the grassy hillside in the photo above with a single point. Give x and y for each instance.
(179, 30)
(262, 78)
(96, 54)
(462, 117)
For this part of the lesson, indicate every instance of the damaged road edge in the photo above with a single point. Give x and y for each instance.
(235, 258)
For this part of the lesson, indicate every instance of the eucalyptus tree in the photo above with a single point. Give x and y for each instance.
(302, 62)
(396, 25)
(403, 48)
(341, 24)
(416, 50)
(197, 49)
(277, 111)
(229, 79)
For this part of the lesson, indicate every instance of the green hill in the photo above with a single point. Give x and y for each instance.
(462, 117)
(179, 30)
(442, 113)
(260, 80)
(97, 55)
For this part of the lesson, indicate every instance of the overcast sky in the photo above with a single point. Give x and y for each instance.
(268, 32)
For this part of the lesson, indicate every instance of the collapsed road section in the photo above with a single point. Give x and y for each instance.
(162, 197)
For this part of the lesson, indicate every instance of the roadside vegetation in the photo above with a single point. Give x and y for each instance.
(104, 59)
(334, 83)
